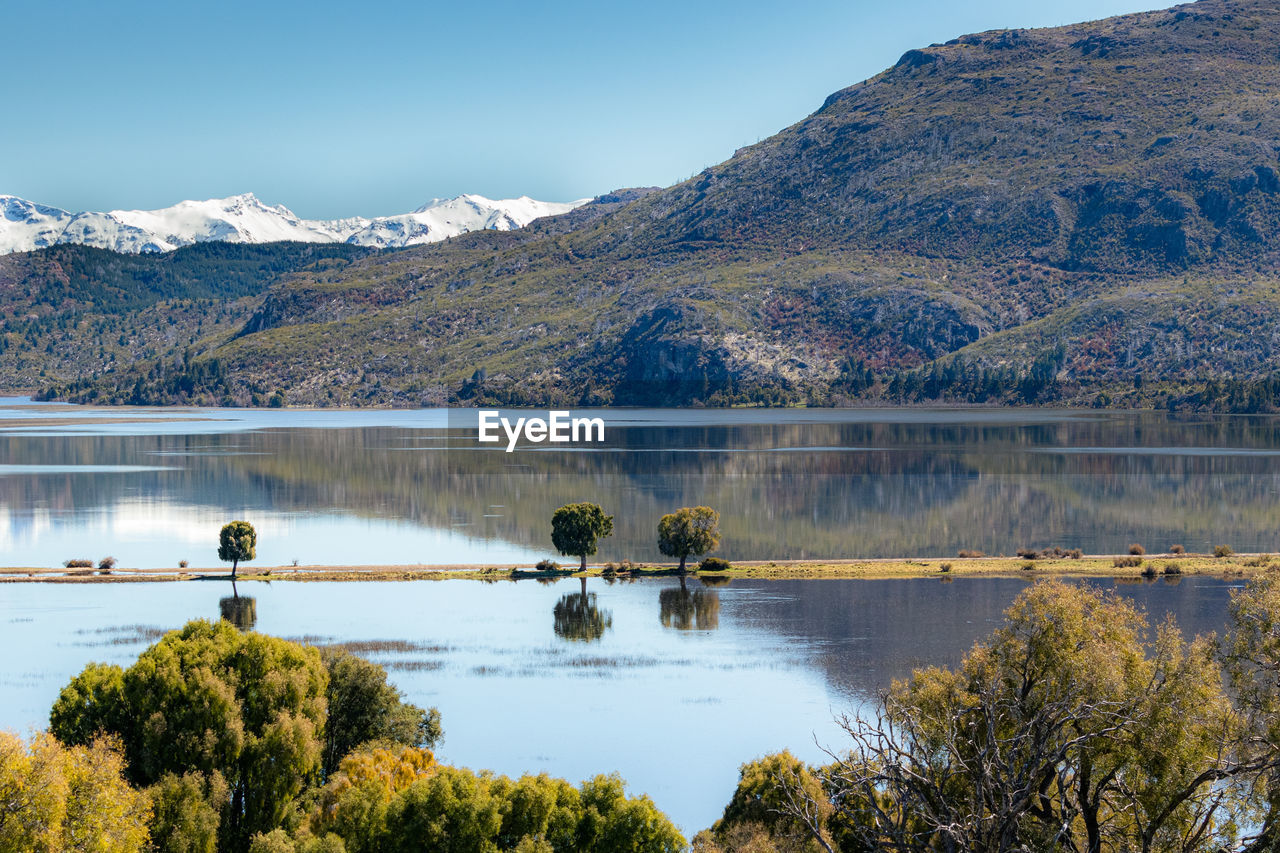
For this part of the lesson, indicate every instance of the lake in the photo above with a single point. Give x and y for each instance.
(672, 688)
(152, 486)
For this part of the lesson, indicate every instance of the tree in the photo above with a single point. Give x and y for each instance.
(365, 710)
(228, 729)
(1075, 727)
(402, 801)
(757, 817)
(1251, 654)
(689, 531)
(576, 528)
(69, 799)
(237, 541)
(213, 701)
(187, 812)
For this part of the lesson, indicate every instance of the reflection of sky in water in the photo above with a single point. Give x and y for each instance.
(151, 486)
(674, 711)
(157, 534)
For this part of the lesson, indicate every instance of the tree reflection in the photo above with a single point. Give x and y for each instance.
(241, 611)
(683, 610)
(578, 618)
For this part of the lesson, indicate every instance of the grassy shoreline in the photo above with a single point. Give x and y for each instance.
(1094, 565)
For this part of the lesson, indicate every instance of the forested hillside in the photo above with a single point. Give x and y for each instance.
(1084, 214)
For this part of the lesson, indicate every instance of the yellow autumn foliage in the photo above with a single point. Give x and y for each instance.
(59, 799)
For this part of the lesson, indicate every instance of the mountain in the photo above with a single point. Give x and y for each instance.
(1086, 214)
(441, 218)
(25, 225)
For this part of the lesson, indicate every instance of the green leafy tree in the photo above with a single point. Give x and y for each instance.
(92, 703)
(213, 701)
(1251, 653)
(576, 528)
(1074, 727)
(237, 541)
(365, 710)
(186, 812)
(401, 801)
(757, 817)
(689, 531)
(612, 821)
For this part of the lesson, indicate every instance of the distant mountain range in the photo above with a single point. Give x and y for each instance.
(26, 225)
(1085, 215)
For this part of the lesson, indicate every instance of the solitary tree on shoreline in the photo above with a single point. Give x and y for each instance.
(689, 531)
(237, 541)
(576, 528)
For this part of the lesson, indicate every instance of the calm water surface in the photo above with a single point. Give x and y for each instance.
(152, 486)
(673, 688)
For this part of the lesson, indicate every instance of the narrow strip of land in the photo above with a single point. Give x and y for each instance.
(1168, 566)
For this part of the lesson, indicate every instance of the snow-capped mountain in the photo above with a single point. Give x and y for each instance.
(25, 225)
(446, 217)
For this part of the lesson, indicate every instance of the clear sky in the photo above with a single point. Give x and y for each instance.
(338, 109)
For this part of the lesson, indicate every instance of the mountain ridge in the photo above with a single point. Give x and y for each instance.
(243, 218)
(1086, 214)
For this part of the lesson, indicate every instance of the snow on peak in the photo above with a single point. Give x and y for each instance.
(442, 218)
(243, 218)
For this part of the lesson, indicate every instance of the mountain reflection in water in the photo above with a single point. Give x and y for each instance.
(324, 489)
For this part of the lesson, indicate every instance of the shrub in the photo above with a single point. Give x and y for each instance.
(182, 564)
(547, 566)
(945, 567)
(1075, 553)
(1149, 571)
(1137, 550)
(1222, 551)
(1126, 562)
(78, 564)
(1026, 567)
(1172, 569)
(107, 563)
(1177, 549)
(714, 564)
(1258, 561)
(970, 555)
(1028, 553)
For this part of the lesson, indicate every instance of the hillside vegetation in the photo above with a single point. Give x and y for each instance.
(1083, 214)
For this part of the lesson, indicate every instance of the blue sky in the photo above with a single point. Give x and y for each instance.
(338, 109)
